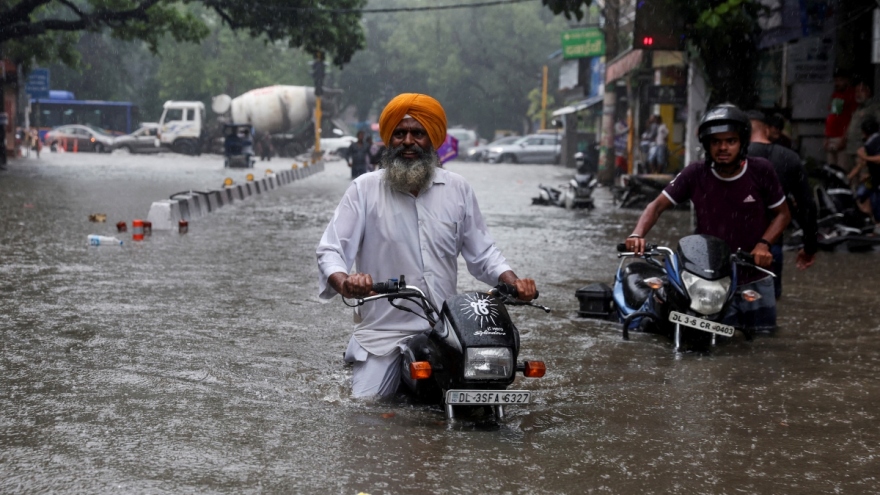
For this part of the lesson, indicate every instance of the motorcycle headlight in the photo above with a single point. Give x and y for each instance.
(707, 296)
(488, 363)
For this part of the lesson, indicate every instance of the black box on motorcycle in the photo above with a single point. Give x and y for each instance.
(595, 301)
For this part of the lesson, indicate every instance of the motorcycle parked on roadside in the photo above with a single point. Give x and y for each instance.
(577, 193)
(636, 191)
(470, 355)
(685, 296)
(840, 219)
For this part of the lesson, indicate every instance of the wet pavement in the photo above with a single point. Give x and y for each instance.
(205, 363)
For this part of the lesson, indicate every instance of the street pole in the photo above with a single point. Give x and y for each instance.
(544, 100)
(318, 76)
(606, 148)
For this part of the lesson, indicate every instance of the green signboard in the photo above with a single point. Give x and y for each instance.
(584, 42)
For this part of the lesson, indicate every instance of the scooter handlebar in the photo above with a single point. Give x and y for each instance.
(507, 290)
(391, 286)
(649, 248)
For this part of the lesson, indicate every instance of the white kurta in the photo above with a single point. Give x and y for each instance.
(387, 234)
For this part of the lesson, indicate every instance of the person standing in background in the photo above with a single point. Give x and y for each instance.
(840, 110)
(358, 156)
(866, 106)
(776, 130)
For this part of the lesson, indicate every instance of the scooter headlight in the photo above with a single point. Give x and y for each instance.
(488, 363)
(707, 296)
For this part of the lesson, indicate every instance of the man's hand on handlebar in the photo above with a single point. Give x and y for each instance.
(354, 286)
(761, 254)
(525, 289)
(635, 245)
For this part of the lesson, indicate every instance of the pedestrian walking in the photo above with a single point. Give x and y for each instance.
(358, 156)
(796, 188)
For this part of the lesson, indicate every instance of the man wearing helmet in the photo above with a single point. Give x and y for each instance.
(736, 199)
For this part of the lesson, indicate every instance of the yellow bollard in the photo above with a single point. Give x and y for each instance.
(228, 181)
(294, 166)
(269, 171)
(250, 177)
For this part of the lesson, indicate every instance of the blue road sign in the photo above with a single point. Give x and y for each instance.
(37, 85)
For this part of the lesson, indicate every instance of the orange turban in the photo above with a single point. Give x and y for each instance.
(426, 110)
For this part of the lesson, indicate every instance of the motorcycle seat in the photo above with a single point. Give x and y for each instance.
(635, 291)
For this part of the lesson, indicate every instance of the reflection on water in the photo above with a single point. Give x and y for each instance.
(205, 362)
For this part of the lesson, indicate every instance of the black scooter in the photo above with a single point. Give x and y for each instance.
(840, 219)
(469, 357)
(636, 191)
(577, 193)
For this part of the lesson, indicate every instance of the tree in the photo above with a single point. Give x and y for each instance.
(480, 63)
(44, 29)
(723, 37)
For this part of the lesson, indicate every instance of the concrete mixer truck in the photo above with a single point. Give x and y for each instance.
(284, 113)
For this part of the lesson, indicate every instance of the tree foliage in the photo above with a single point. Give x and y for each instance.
(723, 36)
(43, 29)
(480, 63)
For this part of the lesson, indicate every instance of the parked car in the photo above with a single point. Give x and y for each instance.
(481, 153)
(338, 144)
(467, 139)
(75, 137)
(143, 140)
(534, 148)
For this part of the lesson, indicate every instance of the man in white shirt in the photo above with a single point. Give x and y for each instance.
(409, 218)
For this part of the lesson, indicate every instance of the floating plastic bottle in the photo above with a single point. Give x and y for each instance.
(103, 240)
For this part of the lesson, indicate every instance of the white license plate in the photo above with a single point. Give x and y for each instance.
(701, 324)
(478, 397)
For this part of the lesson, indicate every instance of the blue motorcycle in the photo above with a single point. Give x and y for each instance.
(684, 297)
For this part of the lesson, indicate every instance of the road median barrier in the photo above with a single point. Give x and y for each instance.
(167, 214)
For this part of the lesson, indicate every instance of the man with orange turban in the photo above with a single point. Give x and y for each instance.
(408, 217)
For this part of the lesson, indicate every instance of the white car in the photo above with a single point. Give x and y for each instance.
(338, 144)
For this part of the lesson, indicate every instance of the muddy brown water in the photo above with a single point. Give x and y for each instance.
(204, 363)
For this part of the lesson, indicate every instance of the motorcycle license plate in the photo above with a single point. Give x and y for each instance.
(700, 324)
(478, 397)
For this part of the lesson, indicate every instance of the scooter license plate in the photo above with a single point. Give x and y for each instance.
(701, 324)
(478, 397)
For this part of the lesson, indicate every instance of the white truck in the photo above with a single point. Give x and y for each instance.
(283, 112)
(182, 126)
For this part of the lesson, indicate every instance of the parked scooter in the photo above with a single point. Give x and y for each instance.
(469, 357)
(686, 296)
(840, 219)
(578, 193)
(636, 191)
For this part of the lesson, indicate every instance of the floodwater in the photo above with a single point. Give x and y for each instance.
(204, 362)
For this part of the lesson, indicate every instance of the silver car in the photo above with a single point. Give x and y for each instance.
(481, 152)
(534, 148)
(75, 137)
(143, 140)
(467, 139)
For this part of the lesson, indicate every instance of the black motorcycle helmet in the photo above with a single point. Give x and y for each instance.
(725, 117)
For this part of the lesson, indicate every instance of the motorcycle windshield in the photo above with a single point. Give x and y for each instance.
(480, 320)
(706, 256)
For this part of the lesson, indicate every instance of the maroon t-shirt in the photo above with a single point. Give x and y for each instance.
(736, 210)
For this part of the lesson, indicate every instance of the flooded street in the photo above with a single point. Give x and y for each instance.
(205, 363)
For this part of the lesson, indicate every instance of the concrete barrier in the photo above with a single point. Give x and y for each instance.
(215, 201)
(165, 214)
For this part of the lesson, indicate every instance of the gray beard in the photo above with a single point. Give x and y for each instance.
(406, 175)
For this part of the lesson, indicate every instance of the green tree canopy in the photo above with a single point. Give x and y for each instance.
(481, 63)
(44, 30)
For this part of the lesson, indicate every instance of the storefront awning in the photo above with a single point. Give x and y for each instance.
(622, 65)
(581, 105)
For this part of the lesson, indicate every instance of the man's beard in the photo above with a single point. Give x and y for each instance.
(407, 175)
